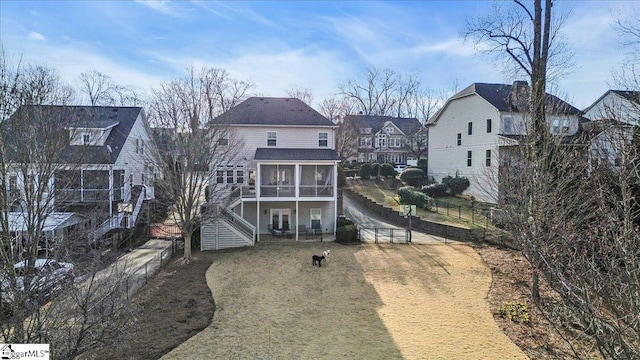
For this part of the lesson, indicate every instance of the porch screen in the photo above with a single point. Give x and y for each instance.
(316, 180)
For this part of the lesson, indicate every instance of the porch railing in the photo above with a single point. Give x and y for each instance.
(89, 195)
(277, 190)
(238, 223)
(316, 190)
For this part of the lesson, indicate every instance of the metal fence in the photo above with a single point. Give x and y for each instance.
(479, 213)
(139, 276)
(390, 235)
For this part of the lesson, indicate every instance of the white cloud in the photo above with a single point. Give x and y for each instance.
(163, 6)
(453, 46)
(36, 36)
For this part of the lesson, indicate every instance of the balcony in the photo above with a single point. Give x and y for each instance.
(316, 191)
(88, 195)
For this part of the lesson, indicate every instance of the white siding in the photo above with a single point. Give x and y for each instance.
(218, 235)
(447, 158)
(135, 161)
(613, 106)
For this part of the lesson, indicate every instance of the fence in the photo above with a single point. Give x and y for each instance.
(390, 235)
(479, 213)
(136, 277)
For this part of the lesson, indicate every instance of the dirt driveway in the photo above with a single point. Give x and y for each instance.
(371, 301)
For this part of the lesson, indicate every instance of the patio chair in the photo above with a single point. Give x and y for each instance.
(275, 233)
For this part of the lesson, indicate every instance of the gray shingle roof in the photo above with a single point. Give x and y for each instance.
(272, 111)
(40, 119)
(502, 97)
(295, 154)
(407, 125)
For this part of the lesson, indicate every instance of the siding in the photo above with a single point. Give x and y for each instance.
(226, 238)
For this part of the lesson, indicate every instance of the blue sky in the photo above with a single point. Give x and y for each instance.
(280, 45)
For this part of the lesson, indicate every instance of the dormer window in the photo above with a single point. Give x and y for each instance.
(389, 130)
(86, 139)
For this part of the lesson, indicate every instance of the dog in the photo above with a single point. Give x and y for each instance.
(317, 259)
(326, 254)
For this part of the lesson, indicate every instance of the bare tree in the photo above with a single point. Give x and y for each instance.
(304, 94)
(376, 94)
(184, 108)
(70, 317)
(103, 91)
(418, 142)
(335, 109)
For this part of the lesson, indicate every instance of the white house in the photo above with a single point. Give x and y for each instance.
(613, 118)
(474, 129)
(285, 181)
(102, 167)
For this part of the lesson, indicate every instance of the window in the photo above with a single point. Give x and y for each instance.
(271, 138)
(13, 186)
(219, 176)
(223, 139)
(395, 142)
(488, 158)
(142, 177)
(389, 130)
(488, 125)
(86, 139)
(365, 141)
(141, 146)
(323, 139)
(469, 158)
(470, 128)
(230, 174)
(130, 179)
(137, 146)
(506, 125)
(381, 141)
(316, 218)
(459, 139)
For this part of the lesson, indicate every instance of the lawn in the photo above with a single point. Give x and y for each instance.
(366, 302)
(451, 210)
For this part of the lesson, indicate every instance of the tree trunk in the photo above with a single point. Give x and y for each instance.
(187, 248)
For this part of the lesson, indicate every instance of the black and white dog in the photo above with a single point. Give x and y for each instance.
(326, 254)
(317, 259)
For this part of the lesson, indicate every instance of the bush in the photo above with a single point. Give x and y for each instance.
(365, 171)
(456, 184)
(422, 164)
(342, 221)
(435, 190)
(347, 234)
(375, 169)
(387, 170)
(410, 196)
(413, 177)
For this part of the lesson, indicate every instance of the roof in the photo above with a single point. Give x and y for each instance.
(407, 125)
(272, 111)
(632, 96)
(54, 221)
(295, 154)
(506, 98)
(41, 118)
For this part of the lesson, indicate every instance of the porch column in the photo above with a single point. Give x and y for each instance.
(335, 198)
(81, 185)
(110, 190)
(258, 218)
(297, 175)
(297, 223)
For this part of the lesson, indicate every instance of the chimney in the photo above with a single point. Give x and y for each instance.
(520, 92)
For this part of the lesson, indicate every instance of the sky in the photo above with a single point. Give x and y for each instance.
(278, 46)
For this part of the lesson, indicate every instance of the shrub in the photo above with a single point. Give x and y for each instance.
(410, 196)
(344, 221)
(413, 177)
(456, 184)
(515, 311)
(347, 234)
(435, 190)
(365, 171)
(387, 170)
(422, 164)
(375, 169)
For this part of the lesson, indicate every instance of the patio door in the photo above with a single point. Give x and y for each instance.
(280, 218)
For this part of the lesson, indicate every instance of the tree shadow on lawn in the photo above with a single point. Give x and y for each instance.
(271, 301)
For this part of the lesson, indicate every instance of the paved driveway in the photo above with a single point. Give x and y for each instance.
(368, 222)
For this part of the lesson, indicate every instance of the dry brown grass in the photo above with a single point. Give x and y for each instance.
(367, 302)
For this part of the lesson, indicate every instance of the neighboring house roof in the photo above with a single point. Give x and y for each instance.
(272, 111)
(120, 119)
(509, 98)
(295, 154)
(54, 220)
(407, 125)
(632, 96)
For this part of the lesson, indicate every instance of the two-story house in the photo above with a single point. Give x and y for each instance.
(613, 118)
(388, 139)
(100, 164)
(285, 181)
(472, 133)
